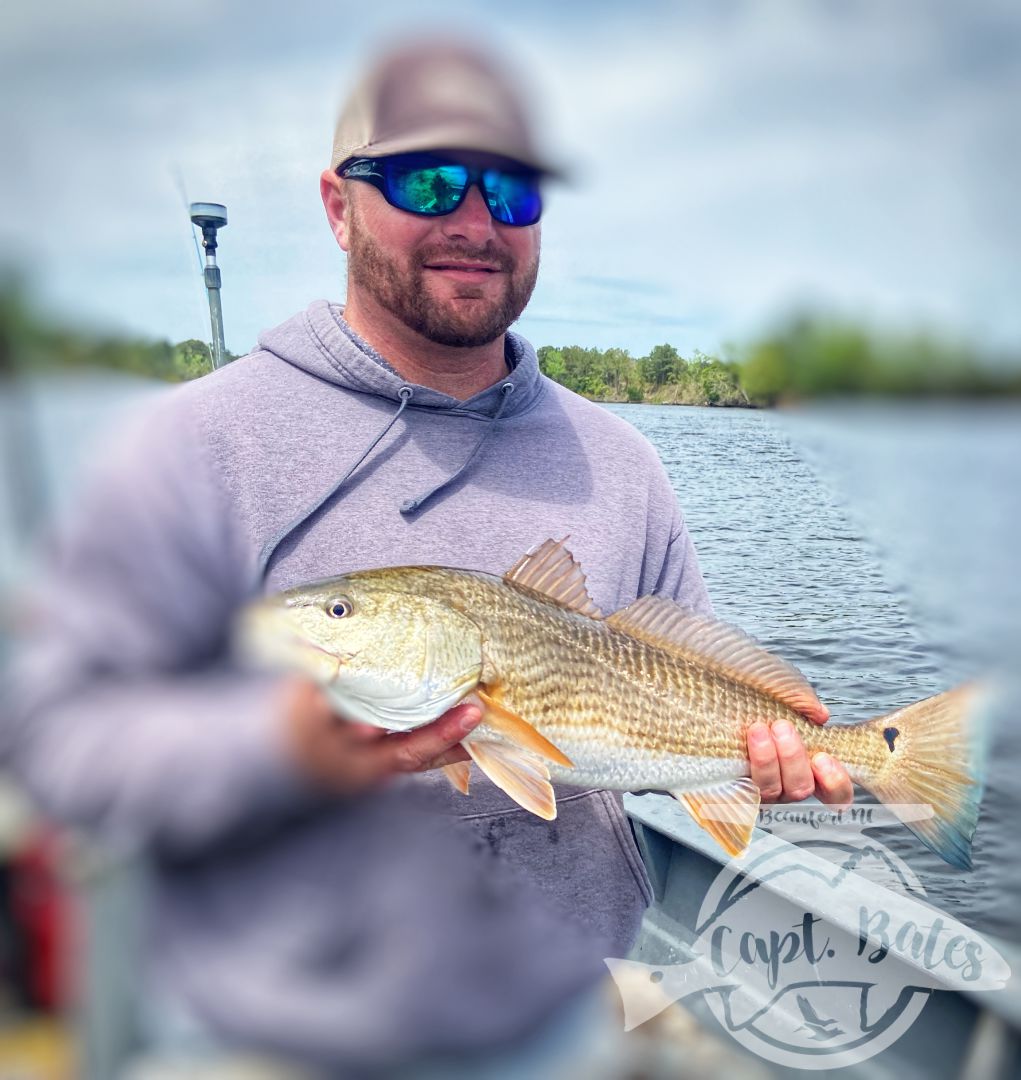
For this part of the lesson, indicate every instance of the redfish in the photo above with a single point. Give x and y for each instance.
(650, 697)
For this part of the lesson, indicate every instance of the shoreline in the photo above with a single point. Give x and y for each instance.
(684, 404)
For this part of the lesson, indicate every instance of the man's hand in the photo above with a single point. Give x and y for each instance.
(783, 772)
(349, 758)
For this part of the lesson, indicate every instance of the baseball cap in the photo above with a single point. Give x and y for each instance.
(437, 96)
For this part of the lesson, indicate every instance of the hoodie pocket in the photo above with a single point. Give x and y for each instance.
(586, 860)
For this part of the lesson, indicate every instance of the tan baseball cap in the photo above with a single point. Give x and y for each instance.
(437, 96)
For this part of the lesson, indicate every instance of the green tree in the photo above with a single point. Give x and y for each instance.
(192, 359)
(661, 365)
(767, 374)
(616, 367)
(551, 363)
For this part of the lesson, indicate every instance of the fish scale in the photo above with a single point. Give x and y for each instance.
(565, 675)
(651, 697)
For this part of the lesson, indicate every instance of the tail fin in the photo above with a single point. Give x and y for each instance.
(937, 757)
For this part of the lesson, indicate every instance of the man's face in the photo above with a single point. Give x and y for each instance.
(458, 280)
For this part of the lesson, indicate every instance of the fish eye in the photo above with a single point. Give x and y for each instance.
(339, 608)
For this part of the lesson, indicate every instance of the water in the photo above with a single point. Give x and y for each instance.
(50, 428)
(874, 547)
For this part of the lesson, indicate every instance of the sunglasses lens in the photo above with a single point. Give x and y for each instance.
(422, 184)
(425, 189)
(513, 198)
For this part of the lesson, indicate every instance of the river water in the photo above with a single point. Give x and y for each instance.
(874, 546)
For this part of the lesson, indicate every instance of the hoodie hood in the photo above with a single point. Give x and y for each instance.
(319, 341)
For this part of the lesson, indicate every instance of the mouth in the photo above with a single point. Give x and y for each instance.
(266, 637)
(463, 271)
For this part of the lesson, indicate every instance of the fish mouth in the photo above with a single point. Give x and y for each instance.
(269, 639)
(341, 658)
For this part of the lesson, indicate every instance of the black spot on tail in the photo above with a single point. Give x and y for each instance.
(890, 734)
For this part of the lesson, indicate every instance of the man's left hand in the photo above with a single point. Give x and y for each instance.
(783, 772)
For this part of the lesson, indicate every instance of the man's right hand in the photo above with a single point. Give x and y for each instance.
(348, 758)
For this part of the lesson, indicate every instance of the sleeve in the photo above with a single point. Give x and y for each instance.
(681, 576)
(122, 714)
(670, 565)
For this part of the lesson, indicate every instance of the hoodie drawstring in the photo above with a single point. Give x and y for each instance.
(409, 506)
(268, 549)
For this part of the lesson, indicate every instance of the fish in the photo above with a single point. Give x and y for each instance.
(652, 697)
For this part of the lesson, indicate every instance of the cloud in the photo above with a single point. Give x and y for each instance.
(730, 158)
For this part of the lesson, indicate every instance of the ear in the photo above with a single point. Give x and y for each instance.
(334, 194)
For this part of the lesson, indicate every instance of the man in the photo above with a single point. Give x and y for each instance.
(408, 426)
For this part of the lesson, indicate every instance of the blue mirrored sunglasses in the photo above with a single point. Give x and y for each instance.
(432, 186)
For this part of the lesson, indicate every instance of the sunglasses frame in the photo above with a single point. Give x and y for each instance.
(373, 171)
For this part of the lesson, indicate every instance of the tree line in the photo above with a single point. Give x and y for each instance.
(808, 356)
(31, 342)
(663, 377)
(813, 356)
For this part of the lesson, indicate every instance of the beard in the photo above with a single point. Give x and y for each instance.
(403, 291)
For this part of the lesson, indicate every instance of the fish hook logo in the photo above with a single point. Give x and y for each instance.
(805, 962)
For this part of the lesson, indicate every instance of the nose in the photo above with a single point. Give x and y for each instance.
(472, 220)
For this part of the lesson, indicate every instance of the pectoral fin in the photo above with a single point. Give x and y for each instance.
(518, 731)
(726, 811)
(459, 774)
(522, 775)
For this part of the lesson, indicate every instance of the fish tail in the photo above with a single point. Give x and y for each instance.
(934, 756)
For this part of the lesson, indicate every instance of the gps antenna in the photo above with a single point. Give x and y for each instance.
(209, 217)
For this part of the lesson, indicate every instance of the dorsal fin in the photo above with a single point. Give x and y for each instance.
(550, 569)
(724, 648)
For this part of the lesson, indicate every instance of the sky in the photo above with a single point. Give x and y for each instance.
(730, 162)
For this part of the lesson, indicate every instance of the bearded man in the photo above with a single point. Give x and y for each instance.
(407, 426)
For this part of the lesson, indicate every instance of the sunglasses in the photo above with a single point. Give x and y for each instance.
(433, 186)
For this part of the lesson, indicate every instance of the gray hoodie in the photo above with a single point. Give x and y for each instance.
(284, 919)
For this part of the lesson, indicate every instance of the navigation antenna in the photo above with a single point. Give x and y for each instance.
(209, 217)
